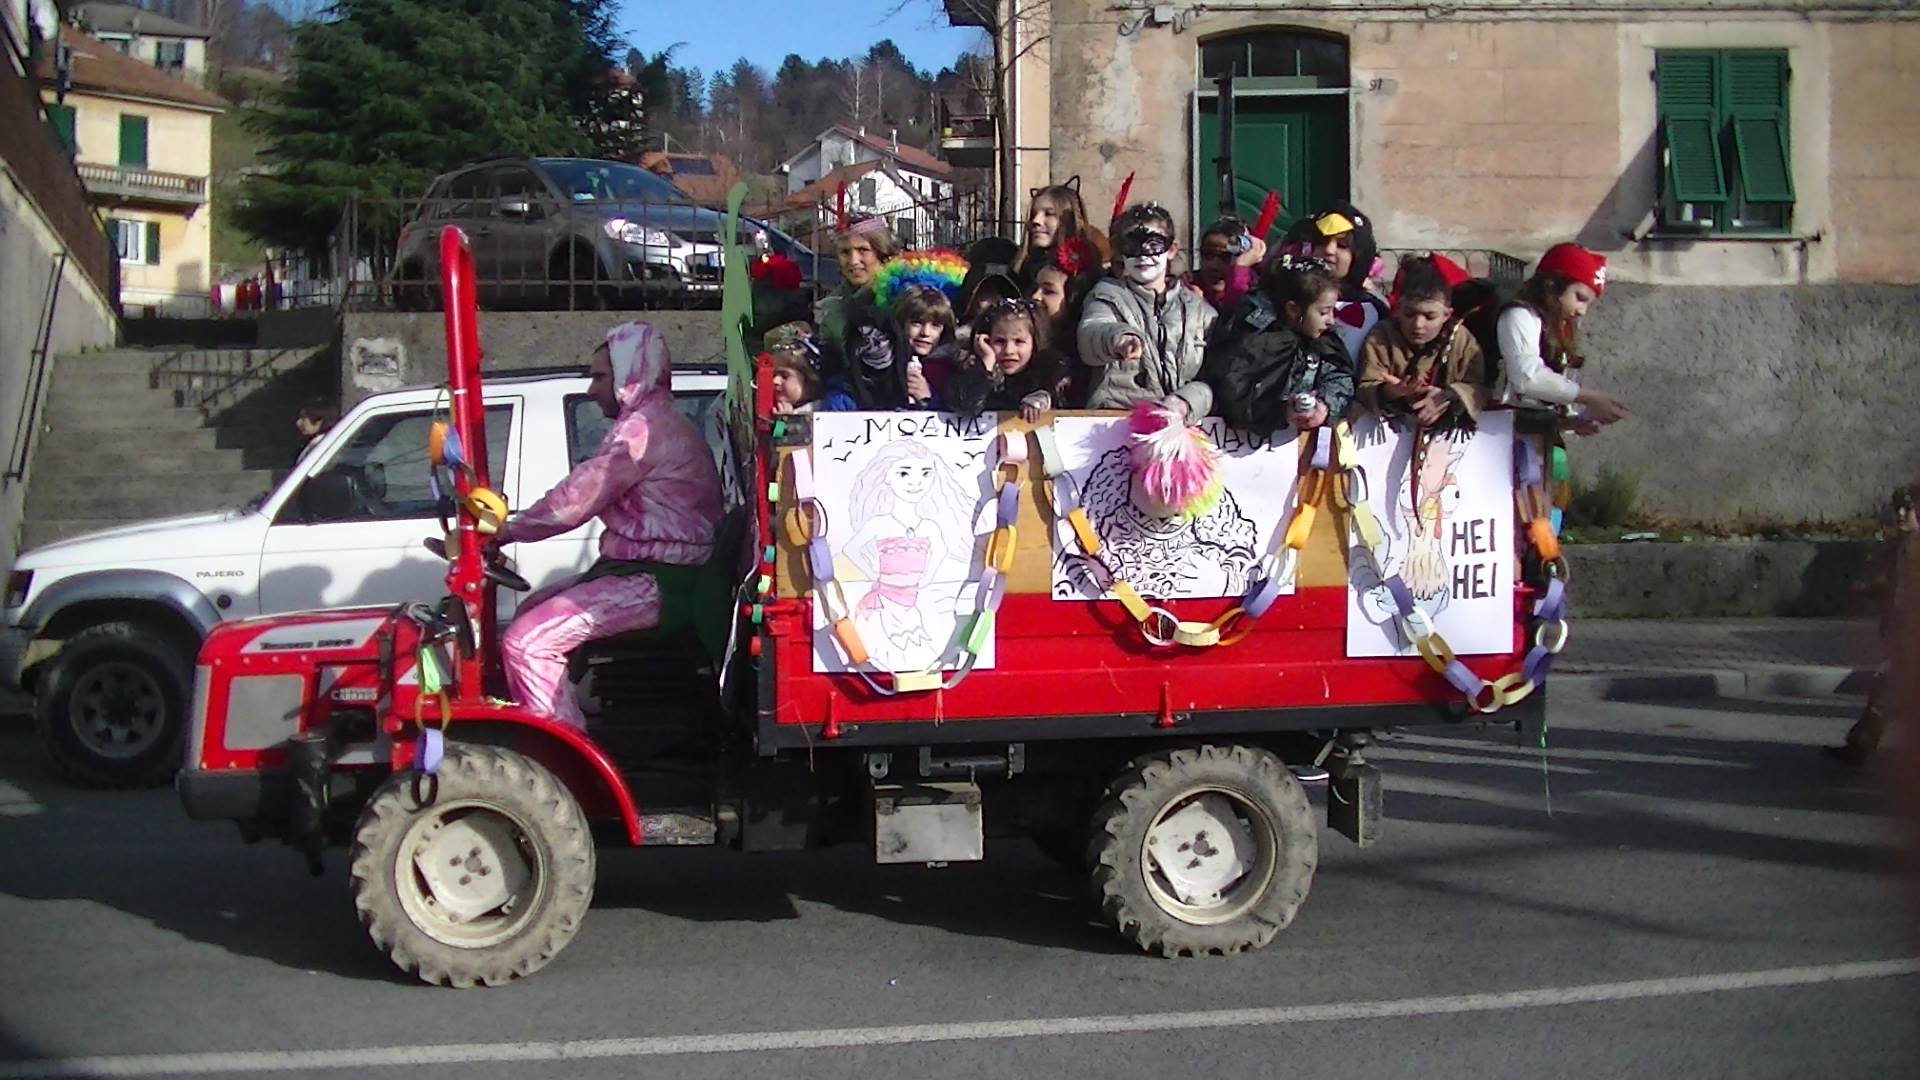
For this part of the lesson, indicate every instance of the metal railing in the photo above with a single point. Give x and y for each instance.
(211, 379)
(129, 183)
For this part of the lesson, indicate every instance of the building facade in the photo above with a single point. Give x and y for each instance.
(54, 259)
(142, 142)
(1748, 169)
(171, 46)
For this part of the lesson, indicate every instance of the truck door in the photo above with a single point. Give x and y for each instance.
(351, 533)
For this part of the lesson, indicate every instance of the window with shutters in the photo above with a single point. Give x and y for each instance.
(137, 241)
(133, 141)
(1725, 144)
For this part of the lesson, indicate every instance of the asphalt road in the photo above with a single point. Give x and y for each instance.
(1709, 898)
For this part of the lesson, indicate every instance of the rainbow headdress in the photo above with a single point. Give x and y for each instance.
(939, 269)
(1177, 466)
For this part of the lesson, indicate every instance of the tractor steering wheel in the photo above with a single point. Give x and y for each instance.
(497, 570)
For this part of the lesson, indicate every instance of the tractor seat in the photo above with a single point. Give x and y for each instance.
(696, 615)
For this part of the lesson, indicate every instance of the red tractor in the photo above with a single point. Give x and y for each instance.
(1146, 750)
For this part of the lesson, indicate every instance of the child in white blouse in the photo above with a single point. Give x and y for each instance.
(1536, 335)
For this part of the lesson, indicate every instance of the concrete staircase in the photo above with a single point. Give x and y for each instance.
(143, 433)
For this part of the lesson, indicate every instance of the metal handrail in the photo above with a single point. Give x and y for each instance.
(42, 345)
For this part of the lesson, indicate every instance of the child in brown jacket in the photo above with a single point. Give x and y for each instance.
(1421, 362)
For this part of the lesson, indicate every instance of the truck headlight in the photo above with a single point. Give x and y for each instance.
(19, 584)
(630, 232)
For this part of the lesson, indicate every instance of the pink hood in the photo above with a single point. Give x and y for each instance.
(652, 479)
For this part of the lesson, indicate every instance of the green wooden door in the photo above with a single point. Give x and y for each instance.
(1294, 145)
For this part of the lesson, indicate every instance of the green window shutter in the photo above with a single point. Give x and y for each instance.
(61, 117)
(1686, 84)
(1756, 102)
(1766, 175)
(133, 142)
(1694, 172)
(115, 234)
(153, 243)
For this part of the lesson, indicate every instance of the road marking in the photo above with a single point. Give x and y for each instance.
(395, 1057)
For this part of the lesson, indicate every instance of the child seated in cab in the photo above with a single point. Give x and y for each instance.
(1421, 362)
(1276, 365)
(1015, 369)
(902, 355)
(1142, 333)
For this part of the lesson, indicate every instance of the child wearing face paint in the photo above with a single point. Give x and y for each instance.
(1016, 369)
(1421, 362)
(1277, 364)
(1342, 237)
(1142, 333)
(1057, 214)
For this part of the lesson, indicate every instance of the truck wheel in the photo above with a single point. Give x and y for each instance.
(479, 874)
(1206, 850)
(111, 709)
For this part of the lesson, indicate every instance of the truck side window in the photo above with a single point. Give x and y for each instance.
(587, 425)
(381, 473)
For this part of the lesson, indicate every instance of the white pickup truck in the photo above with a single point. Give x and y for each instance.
(103, 628)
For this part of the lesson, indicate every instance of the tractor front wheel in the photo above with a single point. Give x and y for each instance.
(476, 875)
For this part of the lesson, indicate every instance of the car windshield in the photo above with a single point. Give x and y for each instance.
(610, 181)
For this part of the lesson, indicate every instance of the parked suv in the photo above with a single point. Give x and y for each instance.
(570, 232)
(103, 628)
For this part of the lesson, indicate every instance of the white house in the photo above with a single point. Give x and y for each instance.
(840, 146)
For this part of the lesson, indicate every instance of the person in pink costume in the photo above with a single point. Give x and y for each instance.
(652, 481)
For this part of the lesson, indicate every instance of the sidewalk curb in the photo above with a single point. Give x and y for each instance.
(1777, 681)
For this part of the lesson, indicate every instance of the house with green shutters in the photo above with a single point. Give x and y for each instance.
(142, 143)
(1748, 167)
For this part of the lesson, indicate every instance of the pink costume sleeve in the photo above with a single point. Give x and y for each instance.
(1239, 283)
(590, 488)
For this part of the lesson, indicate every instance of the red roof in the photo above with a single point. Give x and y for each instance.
(100, 68)
(910, 156)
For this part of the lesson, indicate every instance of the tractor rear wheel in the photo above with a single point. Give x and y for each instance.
(476, 875)
(1202, 850)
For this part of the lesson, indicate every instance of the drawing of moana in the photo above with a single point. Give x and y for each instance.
(908, 512)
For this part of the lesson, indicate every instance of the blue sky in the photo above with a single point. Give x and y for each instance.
(718, 32)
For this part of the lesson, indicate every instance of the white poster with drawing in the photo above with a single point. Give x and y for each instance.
(1211, 555)
(1448, 535)
(908, 507)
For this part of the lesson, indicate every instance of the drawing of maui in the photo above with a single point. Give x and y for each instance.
(1418, 523)
(907, 507)
(1211, 555)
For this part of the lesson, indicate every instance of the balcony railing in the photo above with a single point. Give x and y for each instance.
(142, 184)
(966, 137)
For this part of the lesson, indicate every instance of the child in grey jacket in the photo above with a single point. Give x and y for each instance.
(1142, 332)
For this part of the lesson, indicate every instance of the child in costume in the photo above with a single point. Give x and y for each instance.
(903, 351)
(1536, 339)
(1421, 362)
(1056, 215)
(652, 481)
(1143, 334)
(1014, 369)
(1230, 259)
(1342, 237)
(795, 347)
(861, 246)
(1276, 366)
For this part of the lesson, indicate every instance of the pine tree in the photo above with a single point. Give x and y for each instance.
(388, 94)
